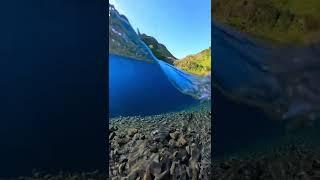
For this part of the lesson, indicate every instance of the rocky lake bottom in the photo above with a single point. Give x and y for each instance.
(155, 147)
(167, 146)
(297, 162)
(293, 156)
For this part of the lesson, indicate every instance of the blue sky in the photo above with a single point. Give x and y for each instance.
(183, 26)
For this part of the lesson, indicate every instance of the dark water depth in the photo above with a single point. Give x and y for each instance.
(52, 95)
(238, 63)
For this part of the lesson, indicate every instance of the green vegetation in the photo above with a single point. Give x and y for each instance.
(278, 21)
(158, 49)
(199, 64)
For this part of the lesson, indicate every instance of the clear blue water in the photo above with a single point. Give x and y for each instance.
(150, 87)
(142, 88)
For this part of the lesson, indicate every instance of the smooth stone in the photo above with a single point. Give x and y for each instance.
(182, 141)
(155, 132)
(174, 135)
(156, 158)
(188, 149)
(136, 137)
(132, 132)
(123, 158)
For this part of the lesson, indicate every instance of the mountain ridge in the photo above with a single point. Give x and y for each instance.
(158, 49)
(123, 40)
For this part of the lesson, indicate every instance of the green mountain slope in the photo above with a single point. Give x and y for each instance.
(123, 40)
(278, 21)
(199, 64)
(158, 49)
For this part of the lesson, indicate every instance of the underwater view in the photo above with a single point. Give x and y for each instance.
(159, 105)
(266, 59)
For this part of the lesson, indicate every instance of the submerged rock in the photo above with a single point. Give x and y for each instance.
(132, 132)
